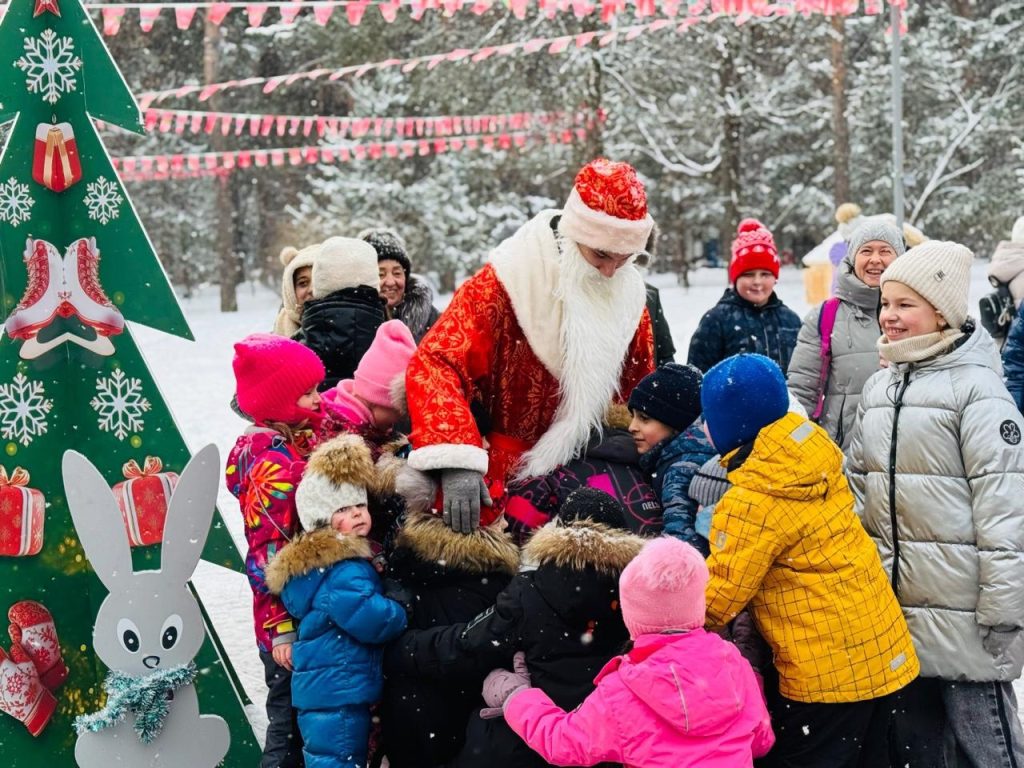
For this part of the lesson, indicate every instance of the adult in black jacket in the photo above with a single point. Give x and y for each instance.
(664, 347)
(451, 577)
(341, 319)
(564, 614)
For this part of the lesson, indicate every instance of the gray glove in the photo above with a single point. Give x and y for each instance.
(464, 491)
(998, 639)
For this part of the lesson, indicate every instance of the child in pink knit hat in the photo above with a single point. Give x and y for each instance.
(681, 696)
(371, 403)
(276, 385)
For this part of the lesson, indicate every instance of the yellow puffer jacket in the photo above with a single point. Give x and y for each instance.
(785, 540)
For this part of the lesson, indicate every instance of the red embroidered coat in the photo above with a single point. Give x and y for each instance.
(478, 349)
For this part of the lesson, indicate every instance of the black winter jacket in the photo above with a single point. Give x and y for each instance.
(564, 615)
(734, 326)
(340, 328)
(664, 347)
(452, 577)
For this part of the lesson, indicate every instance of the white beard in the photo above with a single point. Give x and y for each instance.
(599, 319)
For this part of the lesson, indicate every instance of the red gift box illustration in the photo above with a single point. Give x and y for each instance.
(22, 510)
(55, 162)
(143, 497)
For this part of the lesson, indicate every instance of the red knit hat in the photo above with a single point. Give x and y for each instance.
(271, 374)
(607, 209)
(753, 248)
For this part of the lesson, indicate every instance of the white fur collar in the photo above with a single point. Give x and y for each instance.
(578, 324)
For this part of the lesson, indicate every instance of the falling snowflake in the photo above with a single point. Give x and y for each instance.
(120, 404)
(103, 200)
(15, 202)
(50, 64)
(23, 409)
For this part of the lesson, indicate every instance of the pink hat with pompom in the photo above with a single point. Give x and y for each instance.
(662, 588)
(385, 360)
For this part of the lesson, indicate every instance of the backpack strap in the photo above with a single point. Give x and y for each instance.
(826, 322)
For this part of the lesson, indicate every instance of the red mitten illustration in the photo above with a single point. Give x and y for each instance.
(22, 696)
(33, 629)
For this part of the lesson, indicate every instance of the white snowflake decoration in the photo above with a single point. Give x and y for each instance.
(15, 202)
(103, 200)
(120, 404)
(23, 409)
(50, 64)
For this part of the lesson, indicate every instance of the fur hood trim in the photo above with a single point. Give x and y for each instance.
(582, 544)
(486, 550)
(321, 548)
(618, 416)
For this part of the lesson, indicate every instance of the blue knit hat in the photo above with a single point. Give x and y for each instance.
(671, 394)
(741, 395)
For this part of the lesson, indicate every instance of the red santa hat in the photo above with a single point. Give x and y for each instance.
(753, 248)
(607, 209)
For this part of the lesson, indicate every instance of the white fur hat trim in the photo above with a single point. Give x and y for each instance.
(597, 229)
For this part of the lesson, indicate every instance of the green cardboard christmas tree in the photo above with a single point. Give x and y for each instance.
(75, 263)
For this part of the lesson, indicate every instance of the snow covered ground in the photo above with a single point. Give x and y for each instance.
(197, 383)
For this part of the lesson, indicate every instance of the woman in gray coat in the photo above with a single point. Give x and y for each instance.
(936, 465)
(837, 379)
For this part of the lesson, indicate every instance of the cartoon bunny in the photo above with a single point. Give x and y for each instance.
(149, 627)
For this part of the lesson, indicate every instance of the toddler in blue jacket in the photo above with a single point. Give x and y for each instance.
(327, 582)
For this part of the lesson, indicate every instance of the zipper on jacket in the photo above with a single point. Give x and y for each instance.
(892, 485)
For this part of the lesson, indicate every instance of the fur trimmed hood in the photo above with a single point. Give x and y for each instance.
(580, 545)
(417, 309)
(321, 548)
(486, 550)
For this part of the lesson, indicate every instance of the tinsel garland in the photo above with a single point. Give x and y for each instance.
(146, 697)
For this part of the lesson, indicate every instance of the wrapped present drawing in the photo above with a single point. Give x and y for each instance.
(22, 510)
(143, 497)
(55, 162)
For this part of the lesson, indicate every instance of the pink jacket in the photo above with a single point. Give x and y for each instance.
(673, 701)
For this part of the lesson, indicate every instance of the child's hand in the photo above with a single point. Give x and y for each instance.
(283, 655)
(501, 684)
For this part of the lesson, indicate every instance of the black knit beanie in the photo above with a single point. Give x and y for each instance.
(591, 504)
(670, 394)
(389, 246)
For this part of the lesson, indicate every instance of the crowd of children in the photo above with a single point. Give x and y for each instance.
(711, 582)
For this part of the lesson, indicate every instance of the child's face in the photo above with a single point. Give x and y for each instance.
(383, 417)
(648, 432)
(906, 313)
(309, 401)
(302, 281)
(354, 520)
(756, 286)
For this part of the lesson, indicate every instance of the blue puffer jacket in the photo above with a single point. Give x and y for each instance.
(1013, 360)
(734, 325)
(671, 464)
(328, 584)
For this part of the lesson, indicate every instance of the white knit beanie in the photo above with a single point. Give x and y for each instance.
(344, 262)
(1017, 235)
(941, 272)
(336, 476)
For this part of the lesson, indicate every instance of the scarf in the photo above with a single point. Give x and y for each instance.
(918, 348)
(146, 697)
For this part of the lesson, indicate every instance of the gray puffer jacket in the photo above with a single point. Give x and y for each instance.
(854, 355)
(936, 465)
